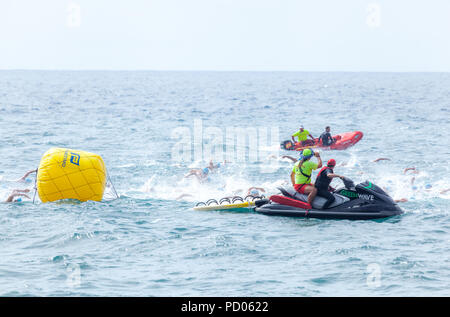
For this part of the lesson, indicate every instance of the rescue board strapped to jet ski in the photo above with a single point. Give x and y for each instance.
(342, 142)
(361, 202)
(235, 203)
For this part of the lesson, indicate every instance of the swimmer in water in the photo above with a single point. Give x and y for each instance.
(17, 193)
(202, 174)
(255, 191)
(426, 188)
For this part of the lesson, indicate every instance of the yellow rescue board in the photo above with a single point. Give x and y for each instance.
(247, 204)
(71, 174)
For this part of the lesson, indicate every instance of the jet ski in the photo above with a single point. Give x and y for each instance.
(342, 142)
(361, 202)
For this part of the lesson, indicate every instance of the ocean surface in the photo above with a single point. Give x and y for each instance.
(152, 128)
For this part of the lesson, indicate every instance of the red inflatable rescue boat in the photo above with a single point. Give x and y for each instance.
(343, 141)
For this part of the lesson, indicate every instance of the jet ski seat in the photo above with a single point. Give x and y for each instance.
(318, 202)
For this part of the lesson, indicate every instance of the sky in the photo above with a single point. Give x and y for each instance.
(226, 35)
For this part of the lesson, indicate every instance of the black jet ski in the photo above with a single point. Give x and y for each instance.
(363, 201)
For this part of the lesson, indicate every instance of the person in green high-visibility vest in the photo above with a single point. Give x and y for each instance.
(301, 174)
(302, 137)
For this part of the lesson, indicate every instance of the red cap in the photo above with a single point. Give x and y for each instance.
(331, 162)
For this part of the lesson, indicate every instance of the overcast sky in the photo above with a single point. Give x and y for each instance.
(289, 35)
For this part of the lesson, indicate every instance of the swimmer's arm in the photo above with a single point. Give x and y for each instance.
(183, 195)
(192, 172)
(409, 169)
(257, 188)
(381, 159)
(13, 195)
(24, 177)
(289, 157)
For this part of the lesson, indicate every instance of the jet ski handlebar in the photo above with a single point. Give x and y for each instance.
(348, 183)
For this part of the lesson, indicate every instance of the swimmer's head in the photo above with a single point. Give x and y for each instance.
(428, 186)
(206, 171)
(254, 192)
(414, 187)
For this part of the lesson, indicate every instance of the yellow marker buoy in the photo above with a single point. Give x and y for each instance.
(71, 174)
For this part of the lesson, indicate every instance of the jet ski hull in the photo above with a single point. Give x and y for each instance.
(274, 209)
(365, 201)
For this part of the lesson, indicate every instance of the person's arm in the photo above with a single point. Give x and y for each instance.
(192, 172)
(331, 139)
(293, 178)
(182, 196)
(24, 177)
(312, 138)
(320, 140)
(17, 193)
(319, 159)
(257, 188)
(381, 159)
(332, 175)
(289, 157)
(293, 138)
(411, 169)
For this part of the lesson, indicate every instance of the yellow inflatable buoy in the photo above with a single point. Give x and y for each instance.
(71, 174)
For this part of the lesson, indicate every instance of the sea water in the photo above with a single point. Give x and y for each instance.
(150, 242)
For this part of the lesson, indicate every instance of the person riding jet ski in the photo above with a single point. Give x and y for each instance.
(301, 174)
(323, 181)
